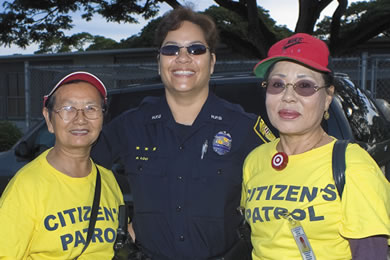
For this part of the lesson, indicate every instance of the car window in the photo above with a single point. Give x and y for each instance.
(120, 101)
(43, 140)
(44, 137)
(246, 93)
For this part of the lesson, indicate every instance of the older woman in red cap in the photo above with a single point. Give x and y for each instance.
(45, 211)
(289, 193)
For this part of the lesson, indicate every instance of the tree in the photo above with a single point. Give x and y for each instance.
(144, 39)
(235, 30)
(66, 43)
(374, 20)
(361, 21)
(45, 21)
(9, 135)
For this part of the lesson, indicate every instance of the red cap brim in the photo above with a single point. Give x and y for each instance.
(79, 75)
(262, 67)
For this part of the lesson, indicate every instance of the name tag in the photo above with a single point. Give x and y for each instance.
(300, 238)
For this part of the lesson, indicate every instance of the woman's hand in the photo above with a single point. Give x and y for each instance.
(131, 231)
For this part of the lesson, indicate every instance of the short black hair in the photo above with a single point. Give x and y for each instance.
(174, 18)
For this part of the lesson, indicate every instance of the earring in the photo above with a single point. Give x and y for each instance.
(326, 115)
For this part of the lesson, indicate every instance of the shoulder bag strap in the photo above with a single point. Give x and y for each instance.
(338, 165)
(94, 211)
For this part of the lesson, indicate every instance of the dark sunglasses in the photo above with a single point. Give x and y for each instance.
(302, 87)
(173, 50)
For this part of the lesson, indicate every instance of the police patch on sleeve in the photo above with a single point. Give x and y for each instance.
(263, 131)
(222, 143)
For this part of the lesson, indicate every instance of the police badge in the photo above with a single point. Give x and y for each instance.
(222, 143)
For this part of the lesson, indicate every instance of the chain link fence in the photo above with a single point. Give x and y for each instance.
(380, 77)
(369, 72)
(42, 78)
(350, 66)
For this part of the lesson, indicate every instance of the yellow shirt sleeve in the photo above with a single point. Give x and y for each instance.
(366, 197)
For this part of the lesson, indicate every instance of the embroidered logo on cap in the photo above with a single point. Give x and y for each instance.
(292, 42)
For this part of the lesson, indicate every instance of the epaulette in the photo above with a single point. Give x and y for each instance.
(150, 100)
(146, 103)
(236, 108)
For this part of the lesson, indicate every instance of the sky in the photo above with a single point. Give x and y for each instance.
(284, 12)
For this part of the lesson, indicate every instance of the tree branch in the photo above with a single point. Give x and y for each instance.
(173, 3)
(309, 12)
(258, 33)
(236, 7)
(336, 21)
(365, 30)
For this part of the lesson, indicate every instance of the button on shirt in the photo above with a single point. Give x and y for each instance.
(185, 193)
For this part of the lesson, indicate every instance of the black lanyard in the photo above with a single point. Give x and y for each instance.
(94, 211)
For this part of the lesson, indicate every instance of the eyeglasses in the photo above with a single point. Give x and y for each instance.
(68, 113)
(174, 50)
(302, 87)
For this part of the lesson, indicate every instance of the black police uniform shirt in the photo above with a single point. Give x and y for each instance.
(185, 180)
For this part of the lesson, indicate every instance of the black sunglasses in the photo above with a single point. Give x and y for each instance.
(173, 50)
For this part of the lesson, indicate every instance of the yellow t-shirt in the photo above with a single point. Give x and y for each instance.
(44, 214)
(306, 189)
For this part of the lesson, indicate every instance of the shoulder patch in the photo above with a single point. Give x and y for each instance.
(263, 131)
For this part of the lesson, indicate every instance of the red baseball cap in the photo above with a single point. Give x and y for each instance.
(301, 48)
(79, 75)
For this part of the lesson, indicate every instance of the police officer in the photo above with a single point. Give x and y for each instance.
(183, 152)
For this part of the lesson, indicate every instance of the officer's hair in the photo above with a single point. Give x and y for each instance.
(173, 19)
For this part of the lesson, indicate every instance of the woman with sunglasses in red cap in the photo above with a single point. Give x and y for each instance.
(62, 205)
(289, 193)
(184, 152)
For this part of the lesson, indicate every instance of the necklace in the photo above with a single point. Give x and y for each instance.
(280, 159)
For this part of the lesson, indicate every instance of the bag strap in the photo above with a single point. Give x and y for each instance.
(338, 165)
(94, 211)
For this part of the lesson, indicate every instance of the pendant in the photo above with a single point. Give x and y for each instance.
(279, 161)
